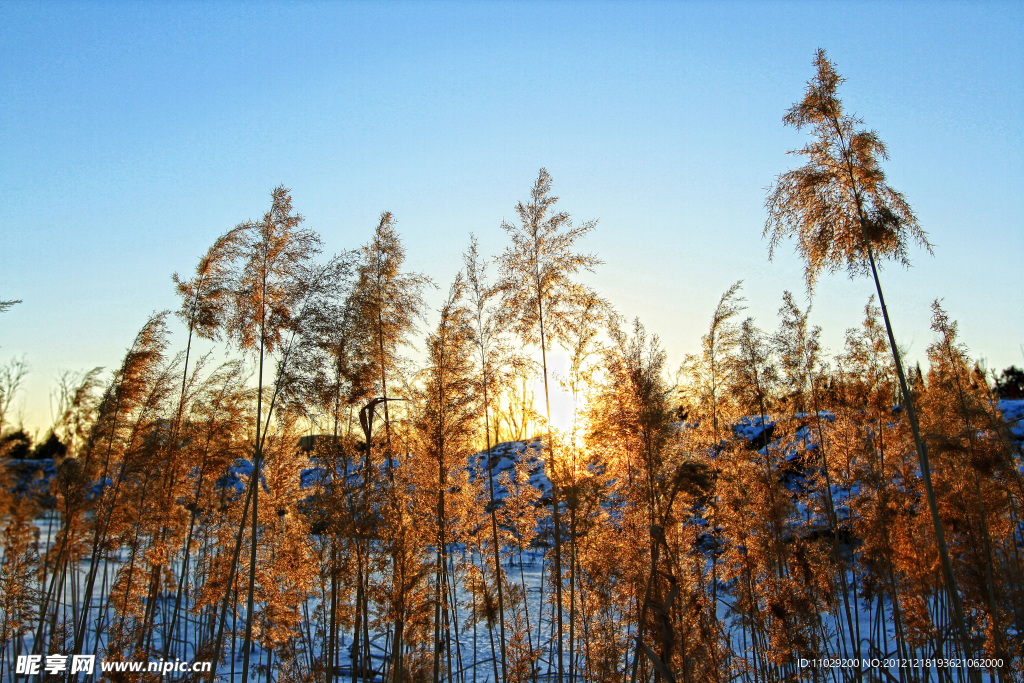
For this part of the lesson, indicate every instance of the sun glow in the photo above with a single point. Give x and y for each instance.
(564, 408)
(568, 409)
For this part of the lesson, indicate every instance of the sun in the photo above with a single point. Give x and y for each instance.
(568, 416)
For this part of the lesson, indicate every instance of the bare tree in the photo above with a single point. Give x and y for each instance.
(77, 402)
(12, 375)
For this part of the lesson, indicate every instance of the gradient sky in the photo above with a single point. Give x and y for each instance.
(133, 134)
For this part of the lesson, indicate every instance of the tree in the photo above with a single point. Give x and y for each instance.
(12, 376)
(843, 215)
(538, 298)
(77, 403)
(16, 445)
(1010, 384)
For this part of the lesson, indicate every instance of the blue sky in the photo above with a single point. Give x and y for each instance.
(133, 134)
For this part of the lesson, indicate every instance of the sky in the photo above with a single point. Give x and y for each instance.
(132, 134)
